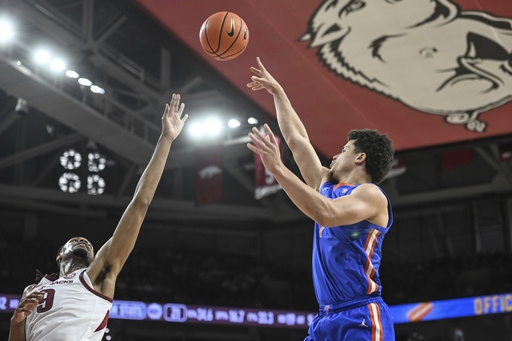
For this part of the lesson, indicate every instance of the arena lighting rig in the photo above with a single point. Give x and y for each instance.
(211, 127)
(52, 66)
(41, 57)
(70, 182)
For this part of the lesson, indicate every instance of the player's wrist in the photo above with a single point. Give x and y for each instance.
(16, 321)
(166, 137)
(277, 90)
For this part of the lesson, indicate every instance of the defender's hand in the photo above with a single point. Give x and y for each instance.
(27, 306)
(172, 120)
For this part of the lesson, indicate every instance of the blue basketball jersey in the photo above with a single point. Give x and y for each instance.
(346, 259)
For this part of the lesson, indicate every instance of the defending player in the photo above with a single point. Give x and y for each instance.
(351, 216)
(76, 305)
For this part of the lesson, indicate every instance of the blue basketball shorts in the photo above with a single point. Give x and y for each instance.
(367, 319)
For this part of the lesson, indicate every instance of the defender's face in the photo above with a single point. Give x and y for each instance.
(79, 243)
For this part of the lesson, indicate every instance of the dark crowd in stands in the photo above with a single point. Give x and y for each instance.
(205, 278)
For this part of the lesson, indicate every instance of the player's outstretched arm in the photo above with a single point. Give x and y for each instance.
(291, 126)
(111, 257)
(367, 202)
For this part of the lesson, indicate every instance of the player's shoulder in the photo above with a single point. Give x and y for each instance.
(370, 190)
(28, 289)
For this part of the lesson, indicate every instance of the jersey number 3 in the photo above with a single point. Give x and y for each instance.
(46, 302)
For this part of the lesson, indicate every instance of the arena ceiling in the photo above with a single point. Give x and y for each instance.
(436, 77)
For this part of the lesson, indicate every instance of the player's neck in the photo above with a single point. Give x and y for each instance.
(354, 178)
(70, 267)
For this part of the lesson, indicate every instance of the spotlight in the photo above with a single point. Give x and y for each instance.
(95, 185)
(57, 65)
(84, 82)
(97, 90)
(214, 127)
(6, 30)
(71, 159)
(72, 74)
(233, 123)
(252, 120)
(69, 183)
(196, 129)
(42, 56)
(96, 162)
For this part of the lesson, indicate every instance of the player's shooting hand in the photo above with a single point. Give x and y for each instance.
(262, 79)
(27, 306)
(173, 119)
(266, 147)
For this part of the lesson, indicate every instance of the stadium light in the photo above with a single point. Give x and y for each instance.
(97, 90)
(213, 127)
(96, 162)
(95, 185)
(42, 56)
(71, 159)
(72, 74)
(234, 123)
(196, 129)
(84, 82)
(69, 183)
(207, 128)
(57, 65)
(6, 30)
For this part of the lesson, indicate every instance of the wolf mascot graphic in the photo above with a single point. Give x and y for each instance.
(428, 54)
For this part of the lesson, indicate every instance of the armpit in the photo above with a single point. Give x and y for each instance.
(103, 273)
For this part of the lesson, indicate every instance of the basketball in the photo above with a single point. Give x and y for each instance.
(224, 36)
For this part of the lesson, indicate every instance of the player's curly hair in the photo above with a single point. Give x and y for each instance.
(378, 150)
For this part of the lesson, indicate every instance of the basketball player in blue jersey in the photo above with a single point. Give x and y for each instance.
(351, 213)
(75, 306)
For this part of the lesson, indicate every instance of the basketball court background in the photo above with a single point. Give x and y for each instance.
(451, 187)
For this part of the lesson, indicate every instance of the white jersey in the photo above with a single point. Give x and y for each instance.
(70, 310)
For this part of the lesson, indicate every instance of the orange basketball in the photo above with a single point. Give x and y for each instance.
(224, 36)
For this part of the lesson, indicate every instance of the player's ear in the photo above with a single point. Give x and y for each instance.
(361, 158)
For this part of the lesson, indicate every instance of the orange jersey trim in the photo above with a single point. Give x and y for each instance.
(377, 333)
(369, 270)
(342, 184)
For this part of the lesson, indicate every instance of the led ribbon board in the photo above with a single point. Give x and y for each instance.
(185, 313)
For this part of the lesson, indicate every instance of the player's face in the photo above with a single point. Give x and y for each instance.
(343, 161)
(79, 246)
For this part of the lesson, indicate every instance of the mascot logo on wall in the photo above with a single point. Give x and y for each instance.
(428, 54)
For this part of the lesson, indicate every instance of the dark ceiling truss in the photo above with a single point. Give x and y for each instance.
(124, 120)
